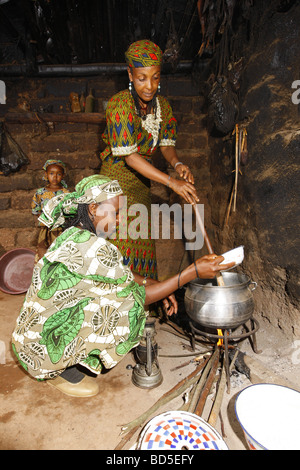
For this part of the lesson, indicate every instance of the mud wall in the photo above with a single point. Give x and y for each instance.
(79, 145)
(266, 220)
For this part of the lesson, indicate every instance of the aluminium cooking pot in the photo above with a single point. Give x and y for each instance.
(223, 307)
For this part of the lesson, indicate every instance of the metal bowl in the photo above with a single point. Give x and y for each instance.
(16, 268)
(222, 307)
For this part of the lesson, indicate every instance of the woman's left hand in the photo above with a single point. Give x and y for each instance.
(185, 173)
(170, 305)
(184, 189)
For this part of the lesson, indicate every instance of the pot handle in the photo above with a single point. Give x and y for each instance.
(254, 285)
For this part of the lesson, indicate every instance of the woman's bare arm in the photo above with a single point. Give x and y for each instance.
(206, 268)
(183, 188)
(170, 155)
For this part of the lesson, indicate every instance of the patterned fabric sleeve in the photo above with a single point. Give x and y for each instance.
(87, 255)
(121, 131)
(91, 258)
(169, 126)
(41, 197)
(36, 207)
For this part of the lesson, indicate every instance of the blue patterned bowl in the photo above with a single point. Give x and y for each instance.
(179, 430)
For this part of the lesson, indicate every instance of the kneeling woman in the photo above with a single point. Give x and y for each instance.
(84, 307)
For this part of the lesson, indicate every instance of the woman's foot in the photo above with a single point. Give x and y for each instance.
(75, 384)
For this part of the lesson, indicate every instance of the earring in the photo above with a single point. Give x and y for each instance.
(130, 87)
(158, 88)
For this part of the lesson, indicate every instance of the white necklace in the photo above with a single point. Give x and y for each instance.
(152, 124)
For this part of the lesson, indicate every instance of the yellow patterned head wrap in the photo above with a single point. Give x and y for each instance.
(58, 163)
(143, 53)
(54, 162)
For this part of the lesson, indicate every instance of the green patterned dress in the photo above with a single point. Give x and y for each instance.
(127, 133)
(83, 307)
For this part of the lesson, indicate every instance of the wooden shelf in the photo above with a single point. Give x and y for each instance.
(33, 118)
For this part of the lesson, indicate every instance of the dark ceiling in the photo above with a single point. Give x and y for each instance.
(38, 32)
(92, 31)
(68, 32)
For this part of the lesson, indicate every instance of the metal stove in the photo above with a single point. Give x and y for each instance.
(229, 339)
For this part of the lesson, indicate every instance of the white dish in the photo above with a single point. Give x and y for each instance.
(269, 415)
(233, 256)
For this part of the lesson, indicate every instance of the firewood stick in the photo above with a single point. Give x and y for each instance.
(185, 364)
(168, 396)
(181, 332)
(214, 413)
(210, 379)
(233, 360)
(222, 425)
(199, 389)
(176, 328)
(199, 386)
(126, 438)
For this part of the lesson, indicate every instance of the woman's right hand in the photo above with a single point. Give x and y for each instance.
(207, 268)
(184, 189)
(209, 265)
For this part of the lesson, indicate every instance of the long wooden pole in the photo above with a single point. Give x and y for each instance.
(199, 221)
(236, 165)
(202, 228)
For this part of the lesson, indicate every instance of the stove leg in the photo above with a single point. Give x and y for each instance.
(193, 343)
(226, 358)
(253, 337)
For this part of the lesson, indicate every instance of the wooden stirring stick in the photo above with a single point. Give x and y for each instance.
(219, 276)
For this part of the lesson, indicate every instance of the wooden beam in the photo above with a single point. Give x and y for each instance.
(32, 118)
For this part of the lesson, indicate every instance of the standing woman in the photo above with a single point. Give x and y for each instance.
(139, 120)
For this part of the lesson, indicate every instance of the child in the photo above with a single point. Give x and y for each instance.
(54, 173)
